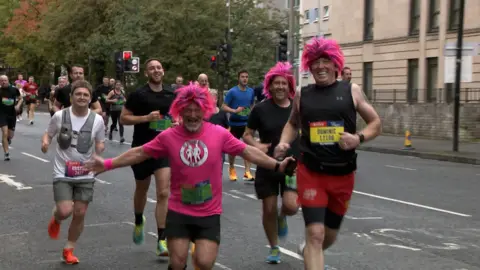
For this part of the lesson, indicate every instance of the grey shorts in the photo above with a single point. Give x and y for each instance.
(73, 191)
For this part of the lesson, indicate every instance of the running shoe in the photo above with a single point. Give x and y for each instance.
(139, 233)
(248, 176)
(53, 228)
(162, 249)
(282, 226)
(233, 174)
(274, 256)
(68, 256)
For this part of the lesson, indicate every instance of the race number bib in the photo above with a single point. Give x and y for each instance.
(162, 124)
(197, 194)
(291, 181)
(8, 101)
(104, 97)
(75, 169)
(120, 102)
(245, 112)
(326, 132)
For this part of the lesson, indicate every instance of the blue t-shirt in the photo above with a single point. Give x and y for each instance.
(237, 98)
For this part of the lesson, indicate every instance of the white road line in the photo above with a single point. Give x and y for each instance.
(120, 142)
(398, 246)
(150, 200)
(13, 234)
(251, 196)
(9, 147)
(221, 266)
(289, 253)
(7, 179)
(401, 168)
(102, 181)
(239, 166)
(35, 157)
(233, 196)
(362, 218)
(103, 224)
(412, 204)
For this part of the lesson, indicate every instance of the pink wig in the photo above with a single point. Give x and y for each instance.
(319, 47)
(283, 69)
(192, 93)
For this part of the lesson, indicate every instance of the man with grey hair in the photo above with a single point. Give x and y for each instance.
(203, 80)
(11, 102)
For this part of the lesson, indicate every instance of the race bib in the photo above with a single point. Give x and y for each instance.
(326, 132)
(32, 96)
(245, 112)
(75, 169)
(162, 124)
(291, 181)
(120, 102)
(8, 101)
(197, 194)
(104, 97)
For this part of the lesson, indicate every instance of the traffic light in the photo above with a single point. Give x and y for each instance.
(226, 51)
(119, 64)
(130, 64)
(213, 62)
(282, 51)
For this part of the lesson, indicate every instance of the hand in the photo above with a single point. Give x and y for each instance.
(154, 116)
(263, 147)
(115, 100)
(17, 109)
(281, 150)
(96, 164)
(45, 146)
(284, 163)
(239, 109)
(348, 141)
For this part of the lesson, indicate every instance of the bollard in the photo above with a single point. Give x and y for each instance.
(408, 141)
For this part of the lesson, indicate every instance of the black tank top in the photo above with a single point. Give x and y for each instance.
(324, 113)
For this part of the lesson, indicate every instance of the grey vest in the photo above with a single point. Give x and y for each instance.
(84, 140)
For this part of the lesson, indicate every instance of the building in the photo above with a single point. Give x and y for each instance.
(395, 48)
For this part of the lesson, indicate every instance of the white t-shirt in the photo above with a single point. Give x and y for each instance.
(71, 155)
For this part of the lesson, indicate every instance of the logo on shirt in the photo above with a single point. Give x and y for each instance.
(194, 153)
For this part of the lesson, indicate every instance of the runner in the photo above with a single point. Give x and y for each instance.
(194, 149)
(102, 92)
(238, 103)
(62, 95)
(218, 117)
(326, 114)
(147, 110)
(62, 82)
(31, 91)
(11, 104)
(268, 118)
(20, 80)
(20, 109)
(79, 132)
(116, 99)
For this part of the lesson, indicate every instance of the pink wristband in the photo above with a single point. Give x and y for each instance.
(108, 164)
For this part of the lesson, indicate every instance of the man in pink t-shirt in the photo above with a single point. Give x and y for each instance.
(195, 152)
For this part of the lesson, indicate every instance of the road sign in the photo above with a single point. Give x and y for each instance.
(134, 65)
(469, 50)
(7, 179)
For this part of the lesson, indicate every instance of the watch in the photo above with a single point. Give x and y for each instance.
(361, 137)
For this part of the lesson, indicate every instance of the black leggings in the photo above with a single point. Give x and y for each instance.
(115, 117)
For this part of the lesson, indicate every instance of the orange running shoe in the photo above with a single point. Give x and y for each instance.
(232, 174)
(53, 228)
(68, 256)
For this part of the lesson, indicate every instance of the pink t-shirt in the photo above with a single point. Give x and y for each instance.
(196, 164)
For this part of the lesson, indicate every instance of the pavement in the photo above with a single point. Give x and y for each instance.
(406, 213)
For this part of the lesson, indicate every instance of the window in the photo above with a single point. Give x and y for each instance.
(368, 20)
(432, 72)
(315, 14)
(433, 15)
(368, 79)
(296, 3)
(412, 80)
(454, 16)
(326, 12)
(306, 16)
(327, 36)
(414, 17)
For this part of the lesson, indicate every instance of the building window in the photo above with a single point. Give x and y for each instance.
(412, 80)
(327, 36)
(368, 20)
(414, 17)
(326, 12)
(454, 16)
(296, 4)
(433, 15)
(368, 79)
(315, 14)
(432, 72)
(306, 16)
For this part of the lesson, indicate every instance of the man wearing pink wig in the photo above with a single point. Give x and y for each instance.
(326, 115)
(194, 149)
(269, 117)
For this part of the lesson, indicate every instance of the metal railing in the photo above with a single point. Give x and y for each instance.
(437, 95)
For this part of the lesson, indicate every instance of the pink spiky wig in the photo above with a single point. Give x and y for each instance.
(319, 47)
(192, 93)
(283, 69)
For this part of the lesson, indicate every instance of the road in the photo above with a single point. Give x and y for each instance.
(406, 213)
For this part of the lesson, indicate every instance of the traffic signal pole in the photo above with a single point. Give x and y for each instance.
(458, 76)
(291, 24)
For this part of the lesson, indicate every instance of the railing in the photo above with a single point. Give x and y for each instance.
(438, 95)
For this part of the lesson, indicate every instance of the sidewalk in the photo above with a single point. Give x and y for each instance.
(425, 148)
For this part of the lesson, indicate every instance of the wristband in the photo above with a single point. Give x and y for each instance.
(108, 164)
(277, 166)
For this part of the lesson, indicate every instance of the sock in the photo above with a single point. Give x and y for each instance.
(138, 218)
(161, 235)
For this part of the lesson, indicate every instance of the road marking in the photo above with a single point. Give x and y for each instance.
(289, 253)
(233, 196)
(12, 234)
(9, 147)
(402, 168)
(7, 179)
(102, 181)
(239, 166)
(103, 224)
(150, 200)
(35, 157)
(120, 142)
(362, 218)
(251, 196)
(398, 246)
(412, 204)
